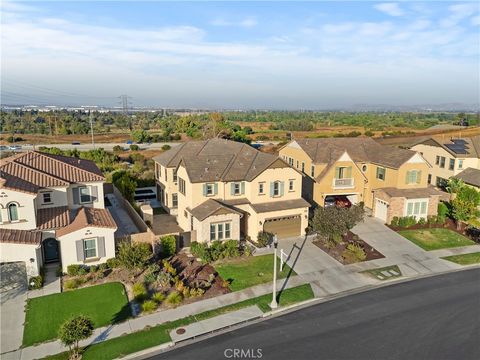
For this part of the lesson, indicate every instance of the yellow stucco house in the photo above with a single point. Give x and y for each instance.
(450, 157)
(390, 181)
(220, 189)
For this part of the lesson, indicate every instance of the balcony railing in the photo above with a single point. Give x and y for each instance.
(343, 183)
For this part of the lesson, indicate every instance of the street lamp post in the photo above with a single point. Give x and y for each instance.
(274, 303)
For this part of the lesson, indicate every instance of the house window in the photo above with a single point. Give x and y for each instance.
(175, 177)
(261, 188)
(460, 164)
(429, 180)
(413, 177)
(437, 160)
(47, 198)
(84, 195)
(303, 167)
(442, 162)
(227, 231)
(380, 173)
(312, 171)
(290, 161)
(451, 164)
(165, 174)
(417, 208)
(441, 182)
(90, 248)
(343, 172)
(13, 212)
(297, 164)
(236, 189)
(220, 231)
(364, 168)
(213, 232)
(181, 186)
(276, 188)
(290, 185)
(175, 200)
(209, 189)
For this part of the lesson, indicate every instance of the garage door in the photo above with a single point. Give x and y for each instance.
(284, 227)
(381, 210)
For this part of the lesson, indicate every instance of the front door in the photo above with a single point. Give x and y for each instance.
(50, 249)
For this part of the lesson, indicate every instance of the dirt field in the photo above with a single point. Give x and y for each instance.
(67, 139)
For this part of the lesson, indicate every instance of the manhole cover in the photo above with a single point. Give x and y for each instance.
(180, 331)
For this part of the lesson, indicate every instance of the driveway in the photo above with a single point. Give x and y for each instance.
(13, 292)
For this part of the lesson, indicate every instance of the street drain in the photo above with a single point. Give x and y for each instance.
(180, 331)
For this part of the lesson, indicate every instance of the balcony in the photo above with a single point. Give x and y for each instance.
(343, 183)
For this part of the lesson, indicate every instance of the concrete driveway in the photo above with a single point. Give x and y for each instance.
(13, 294)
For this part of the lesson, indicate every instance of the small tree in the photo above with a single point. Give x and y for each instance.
(332, 222)
(169, 245)
(134, 256)
(454, 185)
(465, 205)
(73, 331)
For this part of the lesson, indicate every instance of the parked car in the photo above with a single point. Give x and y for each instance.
(3, 147)
(15, 147)
(75, 142)
(340, 201)
(129, 142)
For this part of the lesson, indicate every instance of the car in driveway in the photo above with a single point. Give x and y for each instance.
(75, 142)
(340, 201)
(15, 147)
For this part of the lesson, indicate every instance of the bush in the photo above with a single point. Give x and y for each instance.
(231, 249)
(93, 268)
(35, 282)
(442, 212)
(76, 270)
(134, 256)
(169, 245)
(216, 250)
(71, 284)
(117, 148)
(422, 221)
(354, 252)
(174, 298)
(432, 219)
(166, 147)
(264, 238)
(158, 297)
(134, 147)
(103, 266)
(112, 263)
(139, 291)
(149, 306)
(395, 221)
(407, 221)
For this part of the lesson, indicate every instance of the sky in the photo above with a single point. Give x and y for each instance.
(240, 55)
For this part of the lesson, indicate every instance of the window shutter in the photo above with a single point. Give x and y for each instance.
(76, 196)
(337, 173)
(101, 246)
(242, 187)
(80, 252)
(282, 186)
(94, 193)
(407, 177)
(419, 176)
(271, 189)
(349, 172)
(232, 189)
(215, 189)
(204, 189)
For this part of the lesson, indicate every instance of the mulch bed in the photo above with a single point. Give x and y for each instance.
(337, 251)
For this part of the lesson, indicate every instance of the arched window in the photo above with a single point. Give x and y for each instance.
(13, 212)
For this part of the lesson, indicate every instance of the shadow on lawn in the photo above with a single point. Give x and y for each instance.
(122, 315)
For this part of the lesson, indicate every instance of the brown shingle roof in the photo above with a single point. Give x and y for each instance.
(470, 176)
(89, 217)
(328, 150)
(53, 218)
(20, 236)
(218, 160)
(417, 193)
(208, 208)
(33, 170)
(280, 205)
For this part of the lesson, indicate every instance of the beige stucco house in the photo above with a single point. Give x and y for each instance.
(220, 189)
(52, 210)
(388, 180)
(449, 157)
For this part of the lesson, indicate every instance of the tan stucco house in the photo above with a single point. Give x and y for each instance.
(52, 211)
(449, 157)
(220, 189)
(390, 181)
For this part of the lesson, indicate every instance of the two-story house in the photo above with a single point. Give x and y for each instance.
(449, 158)
(390, 181)
(220, 189)
(52, 210)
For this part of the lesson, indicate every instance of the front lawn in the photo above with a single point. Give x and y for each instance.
(160, 334)
(104, 304)
(433, 239)
(465, 259)
(250, 271)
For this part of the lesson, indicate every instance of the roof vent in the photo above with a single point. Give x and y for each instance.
(206, 169)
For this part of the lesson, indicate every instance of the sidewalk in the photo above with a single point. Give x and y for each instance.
(139, 323)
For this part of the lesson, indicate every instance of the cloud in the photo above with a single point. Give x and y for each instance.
(475, 21)
(247, 22)
(392, 9)
(459, 12)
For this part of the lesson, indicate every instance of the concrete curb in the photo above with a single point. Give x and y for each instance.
(158, 348)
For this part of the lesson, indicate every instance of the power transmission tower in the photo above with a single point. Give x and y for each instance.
(125, 103)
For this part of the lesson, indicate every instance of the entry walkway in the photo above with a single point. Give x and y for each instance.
(51, 283)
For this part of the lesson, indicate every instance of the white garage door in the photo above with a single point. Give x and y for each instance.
(381, 210)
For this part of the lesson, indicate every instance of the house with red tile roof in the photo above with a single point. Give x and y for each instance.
(52, 210)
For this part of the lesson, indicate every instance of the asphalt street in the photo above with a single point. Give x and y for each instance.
(432, 318)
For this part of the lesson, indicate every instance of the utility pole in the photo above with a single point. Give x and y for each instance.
(91, 128)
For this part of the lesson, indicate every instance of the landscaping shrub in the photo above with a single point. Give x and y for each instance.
(158, 297)
(93, 268)
(394, 221)
(166, 147)
(117, 148)
(442, 212)
(231, 249)
(139, 291)
(432, 219)
(103, 266)
(169, 245)
(35, 282)
(113, 263)
(422, 221)
(149, 306)
(198, 249)
(76, 270)
(264, 238)
(164, 279)
(134, 256)
(174, 298)
(134, 147)
(354, 253)
(406, 221)
(72, 284)
(216, 250)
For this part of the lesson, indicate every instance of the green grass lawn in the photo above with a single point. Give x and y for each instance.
(250, 271)
(144, 339)
(433, 239)
(104, 304)
(465, 259)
